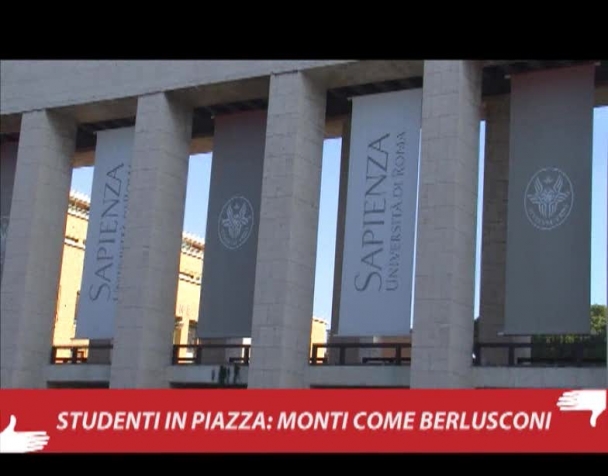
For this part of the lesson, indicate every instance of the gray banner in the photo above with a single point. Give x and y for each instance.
(105, 234)
(380, 222)
(8, 166)
(232, 226)
(549, 215)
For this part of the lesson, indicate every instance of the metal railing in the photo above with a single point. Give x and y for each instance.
(584, 353)
(336, 353)
(200, 354)
(81, 354)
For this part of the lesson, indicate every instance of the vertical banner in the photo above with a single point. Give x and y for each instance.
(549, 216)
(377, 270)
(8, 166)
(231, 240)
(99, 288)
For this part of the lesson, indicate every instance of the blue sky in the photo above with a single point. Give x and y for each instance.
(197, 195)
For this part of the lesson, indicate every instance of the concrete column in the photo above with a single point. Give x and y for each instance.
(34, 247)
(447, 210)
(287, 242)
(8, 164)
(494, 241)
(147, 296)
(351, 356)
(341, 223)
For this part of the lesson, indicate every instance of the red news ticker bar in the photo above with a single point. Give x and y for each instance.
(271, 421)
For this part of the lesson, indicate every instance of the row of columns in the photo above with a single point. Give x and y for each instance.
(151, 250)
(285, 268)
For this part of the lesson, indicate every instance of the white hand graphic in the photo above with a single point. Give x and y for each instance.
(12, 441)
(593, 401)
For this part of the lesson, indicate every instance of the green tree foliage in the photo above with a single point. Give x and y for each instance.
(598, 319)
(592, 347)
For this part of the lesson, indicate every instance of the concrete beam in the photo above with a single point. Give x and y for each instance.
(365, 72)
(204, 145)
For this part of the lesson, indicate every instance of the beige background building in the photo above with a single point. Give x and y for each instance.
(188, 288)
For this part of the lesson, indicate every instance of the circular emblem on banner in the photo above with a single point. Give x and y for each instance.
(235, 222)
(549, 198)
